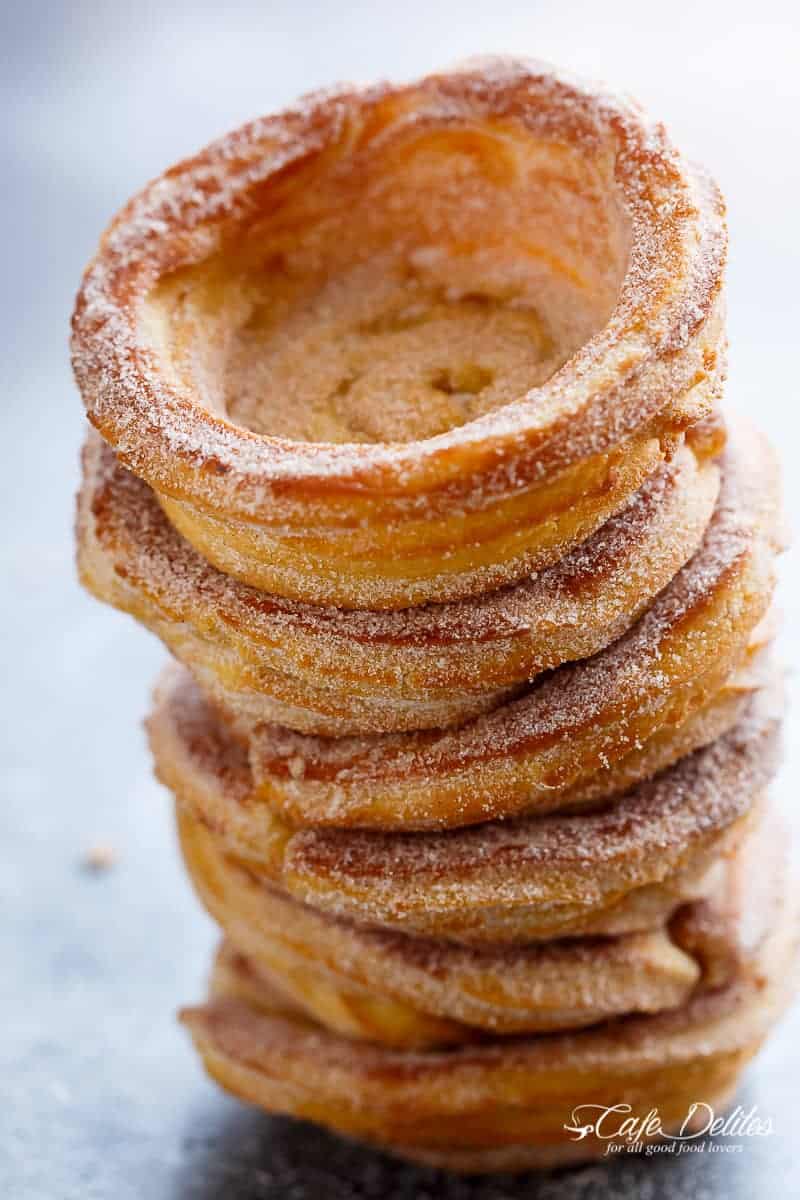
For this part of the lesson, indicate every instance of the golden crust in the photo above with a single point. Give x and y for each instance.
(620, 869)
(325, 671)
(623, 243)
(526, 754)
(492, 845)
(418, 993)
(503, 1105)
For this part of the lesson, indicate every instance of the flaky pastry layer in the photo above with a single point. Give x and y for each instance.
(621, 868)
(506, 1105)
(330, 672)
(527, 754)
(417, 993)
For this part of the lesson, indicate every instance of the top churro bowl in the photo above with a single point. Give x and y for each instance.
(405, 344)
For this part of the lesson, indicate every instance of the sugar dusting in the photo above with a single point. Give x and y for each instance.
(550, 597)
(501, 988)
(184, 217)
(657, 340)
(485, 876)
(432, 665)
(650, 830)
(630, 675)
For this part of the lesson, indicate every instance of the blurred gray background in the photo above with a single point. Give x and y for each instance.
(100, 1095)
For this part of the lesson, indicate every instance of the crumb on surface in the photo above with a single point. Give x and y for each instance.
(99, 857)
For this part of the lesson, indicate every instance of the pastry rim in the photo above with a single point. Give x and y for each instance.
(189, 453)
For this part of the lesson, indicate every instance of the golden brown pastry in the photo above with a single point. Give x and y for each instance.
(619, 869)
(504, 1105)
(406, 444)
(408, 343)
(327, 671)
(567, 728)
(418, 993)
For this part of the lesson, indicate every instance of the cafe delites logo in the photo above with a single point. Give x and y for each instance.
(699, 1131)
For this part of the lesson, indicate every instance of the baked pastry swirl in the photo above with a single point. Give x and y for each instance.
(505, 1105)
(618, 869)
(534, 752)
(407, 445)
(417, 993)
(327, 671)
(408, 343)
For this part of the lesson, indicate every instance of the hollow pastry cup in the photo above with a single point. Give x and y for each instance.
(247, 336)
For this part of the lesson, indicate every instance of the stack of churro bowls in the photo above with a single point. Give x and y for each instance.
(407, 444)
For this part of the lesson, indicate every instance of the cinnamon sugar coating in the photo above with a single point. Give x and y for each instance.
(579, 721)
(407, 445)
(408, 343)
(331, 672)
(618, 869)
(503, 1105)
(419, 993)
